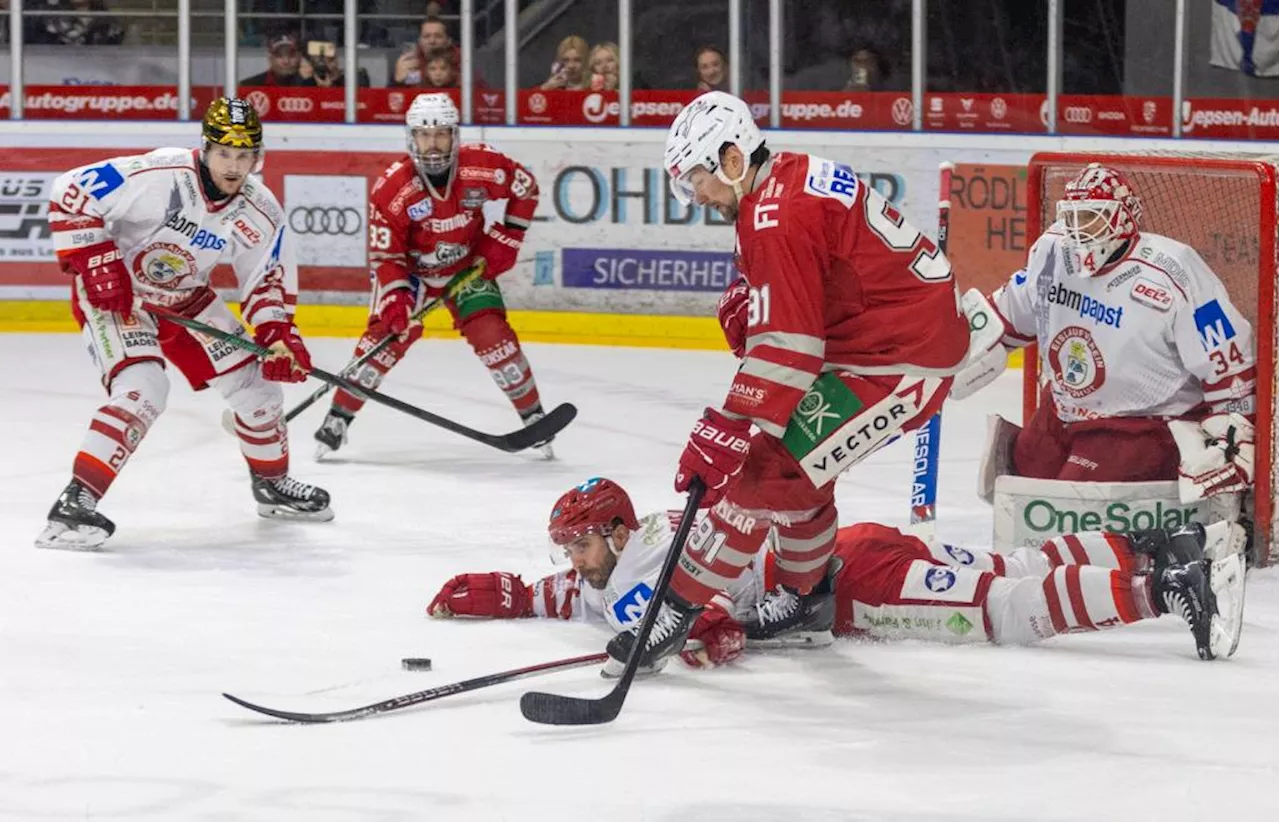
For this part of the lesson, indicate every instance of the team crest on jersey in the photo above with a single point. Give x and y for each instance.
(164, 263)
(420, 210)
(1151, 294)
(472, 198)
(442, 256)
(959, 554)
(938, 580)
(1077, 363)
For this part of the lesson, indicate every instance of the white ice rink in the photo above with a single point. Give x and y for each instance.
(111, 664)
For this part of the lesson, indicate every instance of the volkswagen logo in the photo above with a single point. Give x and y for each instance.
(331, 220)
(902, 111)
(1077, 114)
(295, 105)
(260, 101)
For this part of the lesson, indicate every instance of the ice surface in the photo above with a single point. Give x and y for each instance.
(111, 665)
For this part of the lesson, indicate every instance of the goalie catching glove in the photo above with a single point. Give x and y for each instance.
(1216, 455)
(287, 359)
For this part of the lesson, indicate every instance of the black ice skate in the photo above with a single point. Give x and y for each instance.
(1168, 547)
(286, 498)
(544, 446)
(1209, 595)
(74, 522)
(675, 621)
(786, 619)
(332, 433)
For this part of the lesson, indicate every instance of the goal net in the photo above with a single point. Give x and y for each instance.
(1223, 206)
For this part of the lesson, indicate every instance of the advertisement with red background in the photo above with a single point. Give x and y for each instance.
(280, 164)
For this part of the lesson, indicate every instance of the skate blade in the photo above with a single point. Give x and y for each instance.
(322, 451)
(799, 639)
(548, 453)
(280, 512)
(59, 536)
(613, 669)
(1227, 580)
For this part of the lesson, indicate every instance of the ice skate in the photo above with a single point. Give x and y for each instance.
(74, 522)
(675, 621)
(287, 498)
(332, 433)
(1167, 547)
(1209, 595)
(545, 446)
(786, 619)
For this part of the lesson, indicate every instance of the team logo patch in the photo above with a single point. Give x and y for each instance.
(959, 554)
(472, 198)
(1213, 325)
(99, 181)
(630, 606)
(420, 210)
(1151, 294)
(939, 579)
(164, 263)
(1076, 361)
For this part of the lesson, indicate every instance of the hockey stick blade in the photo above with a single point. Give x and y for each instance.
(556, 709)
(551, 424)
(419, 697)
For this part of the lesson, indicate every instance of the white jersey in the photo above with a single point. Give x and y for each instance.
(1157, 336)
(621, 603)
(152, 206)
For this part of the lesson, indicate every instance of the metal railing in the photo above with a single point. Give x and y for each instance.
(185, 16)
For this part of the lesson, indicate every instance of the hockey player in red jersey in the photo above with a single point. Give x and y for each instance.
(883, 584)
(426, 226)
(853, 331)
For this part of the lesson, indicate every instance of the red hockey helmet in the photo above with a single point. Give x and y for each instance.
(1099, 213)
(590, 508)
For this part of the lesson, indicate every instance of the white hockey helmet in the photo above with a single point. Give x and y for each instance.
(432, 111)
(1099, 213)
(700, 130)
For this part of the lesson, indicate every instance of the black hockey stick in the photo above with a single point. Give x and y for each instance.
(419, 697)
(518, 440)
(556, 709)
(454, 286)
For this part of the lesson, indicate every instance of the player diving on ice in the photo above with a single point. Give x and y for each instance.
(879, 584)
(1150, 366)
(146, 231)
(427, 226)
(853, 330)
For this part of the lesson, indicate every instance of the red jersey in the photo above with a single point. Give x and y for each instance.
(839, 282)
(416, 231)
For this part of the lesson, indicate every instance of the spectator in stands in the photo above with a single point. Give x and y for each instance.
(71, 30)
(283, 61)
(323, 66)
(867, 71)
(713, 69)
(441, 72)
(569, 69)
(604, 63)
(432, 36)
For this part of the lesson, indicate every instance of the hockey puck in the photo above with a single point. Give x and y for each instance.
(416, 663)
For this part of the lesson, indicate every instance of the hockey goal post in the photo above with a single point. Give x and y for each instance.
(1223, 206)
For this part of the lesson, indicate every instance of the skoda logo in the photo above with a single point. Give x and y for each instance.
(331, 220)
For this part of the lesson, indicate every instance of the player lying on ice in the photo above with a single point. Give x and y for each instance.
(1150, 365)
(879, 584)
(147, 230)
(426, 226)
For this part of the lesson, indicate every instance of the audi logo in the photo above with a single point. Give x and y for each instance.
(295, 105)
(1077, 114)
(330, 220)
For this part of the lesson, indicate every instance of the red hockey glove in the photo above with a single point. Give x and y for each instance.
(498, 595)
(107, 283)
(716, 638)
(716, 451)
(395, 312)
(288, 360)
(498, 247)
(733, 316)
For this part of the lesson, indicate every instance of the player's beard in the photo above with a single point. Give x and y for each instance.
(728, 212)
(599, 577)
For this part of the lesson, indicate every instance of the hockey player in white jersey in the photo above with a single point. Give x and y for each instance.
(1150, 366)
(147, 230)
(880, 584)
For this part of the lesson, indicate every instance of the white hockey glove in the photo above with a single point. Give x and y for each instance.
(1216, 455)
(986, 358)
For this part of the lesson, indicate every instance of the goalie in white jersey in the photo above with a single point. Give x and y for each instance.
(1150, 366)
(880, 584)
(147, 230)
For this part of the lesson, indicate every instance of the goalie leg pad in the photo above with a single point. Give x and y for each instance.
(997, 457)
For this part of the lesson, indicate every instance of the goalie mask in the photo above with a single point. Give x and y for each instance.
(594, 507)
(699, 132)
(1099, 215)
(431, 119)
(234, 123)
